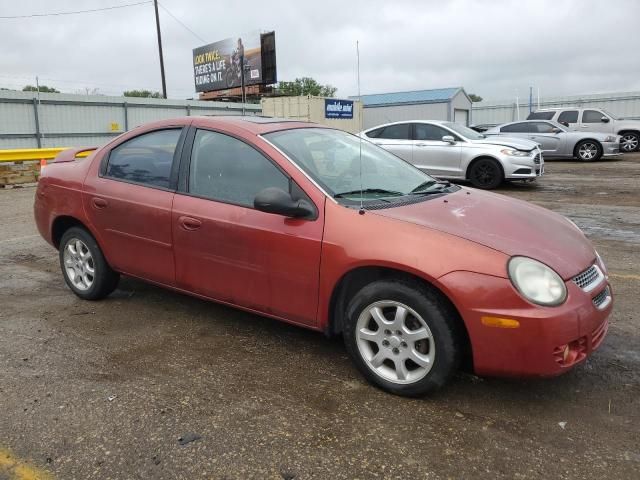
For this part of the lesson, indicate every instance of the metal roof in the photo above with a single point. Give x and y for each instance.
(437, 95)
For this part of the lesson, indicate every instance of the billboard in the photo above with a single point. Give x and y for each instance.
(217, 66)
(338, 108)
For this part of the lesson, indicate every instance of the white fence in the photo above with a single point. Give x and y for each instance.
(626, 104)
(62, 120)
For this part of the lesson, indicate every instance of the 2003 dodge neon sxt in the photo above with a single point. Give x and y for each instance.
(308, 225)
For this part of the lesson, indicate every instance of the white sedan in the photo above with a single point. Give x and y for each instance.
(453, 151)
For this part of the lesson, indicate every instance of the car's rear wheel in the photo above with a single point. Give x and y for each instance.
(84, 267)
(588, 151)
(486, 173)
(629, 142)
(401, 336)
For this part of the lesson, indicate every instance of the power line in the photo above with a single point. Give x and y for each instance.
(176, 19)
(56, 14)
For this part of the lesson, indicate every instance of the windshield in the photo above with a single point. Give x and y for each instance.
(466, 132)
(332, 159)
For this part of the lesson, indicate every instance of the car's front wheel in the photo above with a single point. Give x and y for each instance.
(84, 267)
(485, 173)
(629, 142)
(401, 336)
(588, 151)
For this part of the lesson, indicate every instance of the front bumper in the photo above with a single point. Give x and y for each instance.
(611, 149)
(518, 168)
(548, 341)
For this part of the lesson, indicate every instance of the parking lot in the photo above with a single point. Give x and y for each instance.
(154, 384)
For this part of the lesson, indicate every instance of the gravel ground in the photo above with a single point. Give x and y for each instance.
(106, 390)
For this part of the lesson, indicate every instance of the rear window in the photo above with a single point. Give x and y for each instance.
(540, 115)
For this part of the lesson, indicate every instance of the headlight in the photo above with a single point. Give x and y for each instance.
(611, 138)
(536, 282)
(515, 153)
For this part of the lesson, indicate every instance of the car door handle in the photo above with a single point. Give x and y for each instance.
(421, 145)
(99, 202)
(189, 223)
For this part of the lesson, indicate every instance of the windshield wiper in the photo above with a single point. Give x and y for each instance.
(427, 188)
(369, 190)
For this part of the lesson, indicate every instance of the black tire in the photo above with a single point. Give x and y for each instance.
(104, 279)
(630, 142)
(486, 174)
(588, 151)
(439, 318)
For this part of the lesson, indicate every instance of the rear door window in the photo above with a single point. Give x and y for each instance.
(396, 132)
(521, 127)
(146, 159)
(541, 115)
(568, 116)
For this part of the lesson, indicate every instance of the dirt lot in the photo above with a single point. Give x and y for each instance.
(105, 390)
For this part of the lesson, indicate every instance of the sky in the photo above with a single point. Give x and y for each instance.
(494, 48)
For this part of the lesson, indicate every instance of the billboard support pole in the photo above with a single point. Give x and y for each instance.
(242, 83)
(164, 84)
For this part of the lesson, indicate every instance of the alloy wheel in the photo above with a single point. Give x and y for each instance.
(588, 151)
(629, 142)
(395, 342)
(78, 264)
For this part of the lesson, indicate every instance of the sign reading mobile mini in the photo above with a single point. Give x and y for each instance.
(338, 108)
(217, 66)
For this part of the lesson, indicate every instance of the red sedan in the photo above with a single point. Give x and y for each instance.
(315, 227)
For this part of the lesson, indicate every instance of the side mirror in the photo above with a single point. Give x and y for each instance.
(279, 202)
(604, 119)
(555, 130)
(449, 139)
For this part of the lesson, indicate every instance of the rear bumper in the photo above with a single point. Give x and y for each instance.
(548, 341)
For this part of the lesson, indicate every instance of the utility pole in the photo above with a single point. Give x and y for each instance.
(164, 84)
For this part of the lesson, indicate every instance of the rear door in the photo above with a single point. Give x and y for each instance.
(569, 118)
(229, 251)
(595, 121)
(129, 203)
(432, 154)
(395, 138)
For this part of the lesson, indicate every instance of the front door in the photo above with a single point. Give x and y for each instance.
(595, 121)
(228, 251)
(434, 155)
(129, 204)
(544, 133)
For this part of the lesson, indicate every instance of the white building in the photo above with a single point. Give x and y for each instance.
(452, 104)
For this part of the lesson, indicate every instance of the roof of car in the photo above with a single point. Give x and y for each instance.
(253, 123)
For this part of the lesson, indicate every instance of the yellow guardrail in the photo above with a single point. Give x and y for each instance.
(27, 154)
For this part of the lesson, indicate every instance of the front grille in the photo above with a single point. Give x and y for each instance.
(601, 300)
(588, 279)
(536, 159)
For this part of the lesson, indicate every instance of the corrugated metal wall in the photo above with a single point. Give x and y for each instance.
(63, 120)
(625, 104)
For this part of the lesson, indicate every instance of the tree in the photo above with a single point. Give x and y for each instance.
(306, 86)
(142, 93)
(475, 98)
(43, 89)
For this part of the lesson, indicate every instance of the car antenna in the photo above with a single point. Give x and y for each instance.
(361, 211)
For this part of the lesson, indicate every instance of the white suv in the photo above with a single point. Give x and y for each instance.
(594, 120)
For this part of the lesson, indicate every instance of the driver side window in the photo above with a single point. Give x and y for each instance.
(426, 131)
(228, 170)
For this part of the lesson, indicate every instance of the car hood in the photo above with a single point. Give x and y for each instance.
(517, 143)
(622, 123)
(511, 226)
